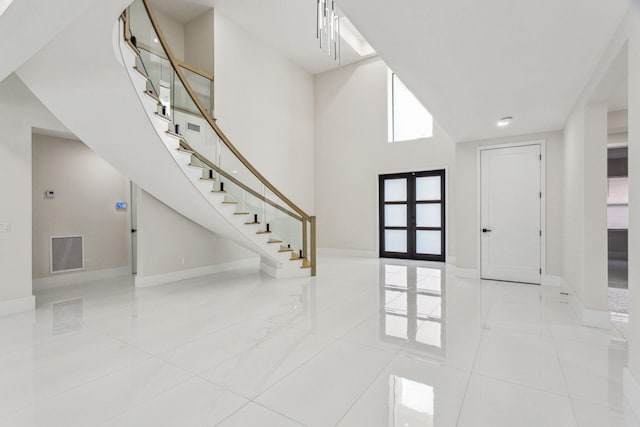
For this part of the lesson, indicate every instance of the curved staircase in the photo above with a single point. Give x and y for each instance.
(106, 96)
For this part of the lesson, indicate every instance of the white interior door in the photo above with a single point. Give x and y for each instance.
(510, 213)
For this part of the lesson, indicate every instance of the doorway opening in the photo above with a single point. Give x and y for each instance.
(412, 215)
(618, 229)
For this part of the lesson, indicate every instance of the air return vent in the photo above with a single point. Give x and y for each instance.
(193, 127)
(67, 253)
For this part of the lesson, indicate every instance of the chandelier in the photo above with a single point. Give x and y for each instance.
(328, 28)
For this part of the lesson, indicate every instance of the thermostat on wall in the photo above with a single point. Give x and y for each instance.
(50, 194)
(121, 205)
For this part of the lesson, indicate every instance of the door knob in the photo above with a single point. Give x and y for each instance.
(486, 230)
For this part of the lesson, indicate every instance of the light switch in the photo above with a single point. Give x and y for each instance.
(5, 227)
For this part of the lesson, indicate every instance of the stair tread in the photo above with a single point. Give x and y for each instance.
(142, 73)
(196, 165)
(274, 241)
(263, 232)
(229, 203)
(167, 118)
(251, 223)
(285, 250)
(184, 150)
(207, 179)
(242, 213)
(175, 135)
(153, 96)
(219, 191)
(133, 48)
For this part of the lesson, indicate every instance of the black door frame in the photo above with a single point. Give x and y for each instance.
(411, 227)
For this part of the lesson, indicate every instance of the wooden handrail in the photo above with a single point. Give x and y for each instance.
(212, 123)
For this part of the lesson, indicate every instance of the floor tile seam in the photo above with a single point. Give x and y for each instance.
(175, 347)
(599, 344)
(50, 341)
(364, 391)
(148, 355)
(617, 409)
(252, 402)
(514, 330)
(251, 398)
(48, 397)
(395, 351)
(529, 387)
(257, 396)
(151, 398)
(469, 376)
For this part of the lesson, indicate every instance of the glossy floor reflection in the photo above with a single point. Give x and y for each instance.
(366, 343)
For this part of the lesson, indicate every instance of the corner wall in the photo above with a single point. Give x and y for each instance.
(19, 112)
(632, 382)
(351, 150)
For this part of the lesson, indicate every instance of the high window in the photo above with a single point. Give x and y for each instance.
(408, 119)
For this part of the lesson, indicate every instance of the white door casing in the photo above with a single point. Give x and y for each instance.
(511, 183)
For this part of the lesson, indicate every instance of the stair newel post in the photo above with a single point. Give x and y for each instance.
(304, 238)
(313, 245)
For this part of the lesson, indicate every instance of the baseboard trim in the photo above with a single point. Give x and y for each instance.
(631, 390)
(467, 273)
(78, 277)
(552, 281)
(347, 252)
(589, 317)
(17, 305)
(282, 273)
(174, 276)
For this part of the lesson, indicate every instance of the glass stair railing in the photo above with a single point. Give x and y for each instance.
(186, 110)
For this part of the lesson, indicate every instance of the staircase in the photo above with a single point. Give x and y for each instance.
(203, 177)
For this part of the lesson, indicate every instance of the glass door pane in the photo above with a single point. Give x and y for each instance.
(412, 208)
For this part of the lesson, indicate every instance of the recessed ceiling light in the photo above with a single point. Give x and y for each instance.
(505, 121)
(4, 5)
(155, 40)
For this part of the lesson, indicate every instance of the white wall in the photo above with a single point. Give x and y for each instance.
(634, 198)
(351, 150)
(198, 42)
(466, 220)
(169, 243)
(585, 173)
(264, 104)
(19, 112)
(87, 189)
(173, 32)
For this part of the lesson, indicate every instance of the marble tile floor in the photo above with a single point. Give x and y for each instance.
(366, 343)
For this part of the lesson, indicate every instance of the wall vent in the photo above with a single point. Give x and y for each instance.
(193, 127)
(67, 253)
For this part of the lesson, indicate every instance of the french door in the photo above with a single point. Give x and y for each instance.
(412, 215)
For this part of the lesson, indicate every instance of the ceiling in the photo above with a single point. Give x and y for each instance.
(469, 62)
(28, 25)
(287, 26)
(472, 62)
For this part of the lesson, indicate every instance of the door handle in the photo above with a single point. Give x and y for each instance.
(486, 230)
